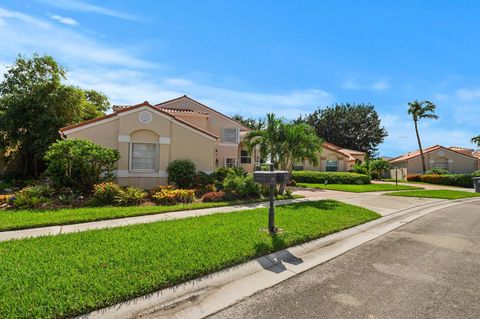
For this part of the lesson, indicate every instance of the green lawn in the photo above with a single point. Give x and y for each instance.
(358, 188)
(32, 218)
(441, 193)
(67, 275)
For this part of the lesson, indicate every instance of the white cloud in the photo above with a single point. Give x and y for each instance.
(351, 84)
(468, 94)
(22, 35)
(82, 6)
(64, 20)
(6, 14)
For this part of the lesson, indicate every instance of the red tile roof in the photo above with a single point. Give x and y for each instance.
(183, 111)
(345, 151)
(133, 107)
(416, 153)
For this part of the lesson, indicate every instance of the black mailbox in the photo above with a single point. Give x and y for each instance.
(264, 177)
(282, 177)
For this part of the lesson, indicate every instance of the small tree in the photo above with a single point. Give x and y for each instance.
(80, 164)
(182, 173)
(421, 110)
(476, 140)
(378, 167)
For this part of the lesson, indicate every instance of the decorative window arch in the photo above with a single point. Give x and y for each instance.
(331, 163)
(144, 151)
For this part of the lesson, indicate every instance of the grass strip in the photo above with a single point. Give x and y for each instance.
(440, 193)
(71, 274)
(358, 188)
(33, 218)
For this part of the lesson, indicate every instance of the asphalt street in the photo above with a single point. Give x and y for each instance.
(429, 268)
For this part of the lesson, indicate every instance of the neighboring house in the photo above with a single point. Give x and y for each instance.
(149, 137)
(457, 160)
(333, 158)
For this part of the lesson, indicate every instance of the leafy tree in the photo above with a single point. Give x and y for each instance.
(250, 122)
(421, 110)
(476, 140)
(182, 173)
(285, 143)
(353, 126)
(80, 164)
(377, 167)
(34, 104)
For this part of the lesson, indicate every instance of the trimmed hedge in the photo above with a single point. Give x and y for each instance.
(462, 180)
(330, 177)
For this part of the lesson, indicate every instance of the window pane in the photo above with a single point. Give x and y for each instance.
(229, 135)
(331, 166)
(144, 156)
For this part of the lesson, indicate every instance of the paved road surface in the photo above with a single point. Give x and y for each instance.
(429, 268)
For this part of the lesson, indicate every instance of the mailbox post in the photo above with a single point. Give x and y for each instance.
(271, 178)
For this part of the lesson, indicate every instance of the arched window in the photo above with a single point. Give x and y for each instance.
(440, 162)
(331, 163)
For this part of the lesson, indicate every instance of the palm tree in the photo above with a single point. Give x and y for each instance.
(476, 140)
(285, 143)
(299, 142)
(421, 110)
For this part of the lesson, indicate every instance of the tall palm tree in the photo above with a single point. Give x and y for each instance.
(267, 138)
(476, 140)
(421, 110)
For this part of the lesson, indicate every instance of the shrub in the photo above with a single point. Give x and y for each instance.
(461, 180)
(292, 183)
(80, 164)
(130, 196)
(377, 168)
(200, 191)
(106, 193)
(223, 172)
(168, 196)
(360, 168)
(203, 179)
(476, 174)
(214, 197)
(5, 199)
(414, 178)
(33, 197)
(437, 171)
(241, 187)
(330, 177)
(182, 173)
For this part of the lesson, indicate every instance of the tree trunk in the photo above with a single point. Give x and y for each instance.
(424, 169)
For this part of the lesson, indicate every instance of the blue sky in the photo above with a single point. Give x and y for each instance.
(254, 57)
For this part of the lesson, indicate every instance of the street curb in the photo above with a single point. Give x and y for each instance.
(210, 294)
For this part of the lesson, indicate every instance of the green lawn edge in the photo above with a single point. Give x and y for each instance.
(11, 220)
(355, 188)
(72, 274)
(437, 193)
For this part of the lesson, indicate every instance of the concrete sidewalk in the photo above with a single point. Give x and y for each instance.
(384, 205)
(430, 186)
(210, 294)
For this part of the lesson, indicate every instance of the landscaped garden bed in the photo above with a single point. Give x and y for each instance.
(440, 193)
(357, 188)
(71, 274)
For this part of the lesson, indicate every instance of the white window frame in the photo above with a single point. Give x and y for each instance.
(242, 157)
(130, 155)
(235, 161)
(237, 135)
(326, 165)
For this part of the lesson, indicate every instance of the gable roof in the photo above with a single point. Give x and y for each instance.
(416, 153)
(243, 128)
(344, 151)
(63, 130)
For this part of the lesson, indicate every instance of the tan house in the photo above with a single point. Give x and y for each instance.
(333, 158)
(149, 137)
(457, 160)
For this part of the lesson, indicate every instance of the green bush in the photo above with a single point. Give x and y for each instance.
(223, 172)
(241, 187)
(105, 193)
(360, 168)
(130, 196)
(182, 173)
(330, 177)
(80, 164)
(33, 197)
(462, 180)
(476, 174)
(437, 171)
(377, 168)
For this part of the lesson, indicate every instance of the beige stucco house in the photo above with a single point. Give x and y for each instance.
(149, 137)
(333, 158)
(456, 160)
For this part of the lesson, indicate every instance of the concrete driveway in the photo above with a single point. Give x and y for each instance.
(426, 269)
